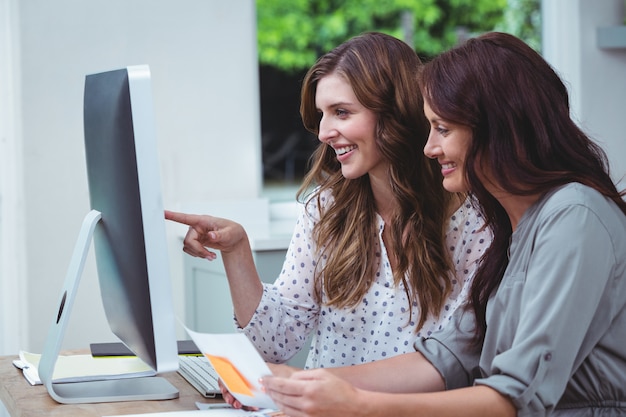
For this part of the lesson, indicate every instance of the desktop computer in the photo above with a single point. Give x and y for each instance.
(127, 227)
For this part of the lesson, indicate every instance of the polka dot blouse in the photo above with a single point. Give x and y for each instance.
(377, 327)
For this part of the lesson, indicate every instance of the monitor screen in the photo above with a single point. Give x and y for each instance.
(129, 240)
(127, 226)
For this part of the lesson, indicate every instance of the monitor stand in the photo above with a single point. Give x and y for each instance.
(125, 389)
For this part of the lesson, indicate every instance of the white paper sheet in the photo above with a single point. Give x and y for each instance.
(238, 364)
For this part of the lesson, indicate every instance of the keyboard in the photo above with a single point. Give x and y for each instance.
(198, 372)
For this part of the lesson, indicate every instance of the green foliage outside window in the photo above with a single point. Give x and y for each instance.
(523, 19)
(292, 34)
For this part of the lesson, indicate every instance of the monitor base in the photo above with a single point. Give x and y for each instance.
(125, 389)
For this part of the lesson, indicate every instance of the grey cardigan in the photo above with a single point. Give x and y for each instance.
(556, 327)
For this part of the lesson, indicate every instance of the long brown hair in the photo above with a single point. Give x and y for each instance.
(518, 110)
(382, 71)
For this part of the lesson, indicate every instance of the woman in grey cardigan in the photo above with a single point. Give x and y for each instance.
(545, 331)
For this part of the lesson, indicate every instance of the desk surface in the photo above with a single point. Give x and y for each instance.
(24, 400)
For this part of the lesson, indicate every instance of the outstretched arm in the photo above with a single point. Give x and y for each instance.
(320, 393)
(231, 240)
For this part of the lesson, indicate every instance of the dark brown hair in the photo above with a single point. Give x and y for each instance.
(518, 110)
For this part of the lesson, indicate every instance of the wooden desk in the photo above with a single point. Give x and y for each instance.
(24, 400)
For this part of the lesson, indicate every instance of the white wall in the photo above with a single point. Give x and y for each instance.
(596, 77)
(13, 314)
(202, 55)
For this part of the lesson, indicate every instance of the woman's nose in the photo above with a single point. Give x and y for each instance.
(326, 130)
(431, 149)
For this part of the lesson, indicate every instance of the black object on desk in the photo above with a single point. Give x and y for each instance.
(185, 347)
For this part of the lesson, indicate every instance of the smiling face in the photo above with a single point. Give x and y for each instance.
(348, 127)
(448, 143)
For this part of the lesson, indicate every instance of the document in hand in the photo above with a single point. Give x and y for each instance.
(238, 365)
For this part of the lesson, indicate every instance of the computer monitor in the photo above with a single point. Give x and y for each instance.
(127, 226)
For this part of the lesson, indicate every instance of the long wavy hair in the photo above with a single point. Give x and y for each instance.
(382, 71)
(518, 110)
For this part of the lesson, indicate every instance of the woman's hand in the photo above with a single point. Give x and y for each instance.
(208, 232)
(313, 393)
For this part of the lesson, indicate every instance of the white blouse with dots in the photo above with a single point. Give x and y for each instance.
(374, 329)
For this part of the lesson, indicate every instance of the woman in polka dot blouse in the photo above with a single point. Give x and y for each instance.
(381, 253)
